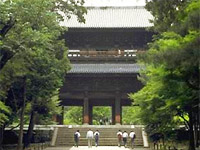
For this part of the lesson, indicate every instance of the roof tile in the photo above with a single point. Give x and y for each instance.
(112, 17)
(105, 68)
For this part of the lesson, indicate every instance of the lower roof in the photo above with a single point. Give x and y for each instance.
(105, 68)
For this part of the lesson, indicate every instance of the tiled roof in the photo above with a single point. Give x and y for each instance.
(112, 17)
(105, 68)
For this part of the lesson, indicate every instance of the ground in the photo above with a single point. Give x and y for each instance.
(93, 148)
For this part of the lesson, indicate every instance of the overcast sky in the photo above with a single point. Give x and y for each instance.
(114, 2)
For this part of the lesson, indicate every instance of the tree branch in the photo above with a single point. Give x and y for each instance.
(7, 27)
(185, 121)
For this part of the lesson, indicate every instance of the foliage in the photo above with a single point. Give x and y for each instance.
(30, 46)
(101, 113)
(170, 80)
(165, 13)
(130, 115)
(33, 57)
(171, 74)
(73, 115)
(3, 111)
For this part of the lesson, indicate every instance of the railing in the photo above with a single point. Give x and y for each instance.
(108, 53)
(33, 146)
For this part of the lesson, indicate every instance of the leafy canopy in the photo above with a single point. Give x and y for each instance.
(30, 46)
(171, 74)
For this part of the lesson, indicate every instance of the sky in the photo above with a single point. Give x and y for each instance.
(114, 2)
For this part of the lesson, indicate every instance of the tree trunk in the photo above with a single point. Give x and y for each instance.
(198, 130)
(30, 130)
(191, 132)
(20, 140)
(1, 136)
(197, 126)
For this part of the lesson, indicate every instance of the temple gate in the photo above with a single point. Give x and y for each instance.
(103, 55)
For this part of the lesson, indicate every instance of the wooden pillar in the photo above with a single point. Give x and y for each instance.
(59, 118)
(90, 114)
(117, 108)
(62, 115)
(113, 115)
(86, 111)
(120, 113)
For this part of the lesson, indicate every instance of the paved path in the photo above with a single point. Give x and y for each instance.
(93, 148)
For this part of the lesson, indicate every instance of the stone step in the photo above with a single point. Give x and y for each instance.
(100, 139)
(100, 143)
(101, 134)
(108, 135)
(103, 142)
(66, 128)
(85, 130)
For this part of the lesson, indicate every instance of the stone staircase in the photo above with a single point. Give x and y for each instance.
(108, 137)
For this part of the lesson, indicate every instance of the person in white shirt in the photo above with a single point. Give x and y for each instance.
(119, 137)
(76, 138)
(125, 137)
(96, 137)
(89, 136)
(132, 136)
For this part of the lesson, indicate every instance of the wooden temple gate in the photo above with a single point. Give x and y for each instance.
(104, 70)
(98, 89)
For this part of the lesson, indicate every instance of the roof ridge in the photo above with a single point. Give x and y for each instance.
(113, 17)
(114, 7)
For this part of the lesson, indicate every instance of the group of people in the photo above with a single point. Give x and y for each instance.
(105, 121)
(122, 138)
(90, 135)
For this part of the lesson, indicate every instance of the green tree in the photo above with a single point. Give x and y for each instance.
(171, 75)
(101, 113)
(33, 58)
(5, 110)
(73, 115)
(130, 115)
(165, 13)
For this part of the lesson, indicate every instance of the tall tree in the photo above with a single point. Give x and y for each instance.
(165, 13)
(30, 48)
(171, 75)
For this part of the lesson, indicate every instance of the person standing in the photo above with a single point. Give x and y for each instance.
(125, 137)
(76, 138)
(96, 138)
(101, 122)
(89, 136)
(132, 136)
(119, 137)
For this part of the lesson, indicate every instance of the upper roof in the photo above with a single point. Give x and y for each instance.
(112, 17)
(105, 68)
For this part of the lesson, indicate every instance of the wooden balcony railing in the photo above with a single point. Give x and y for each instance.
(109, 53)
